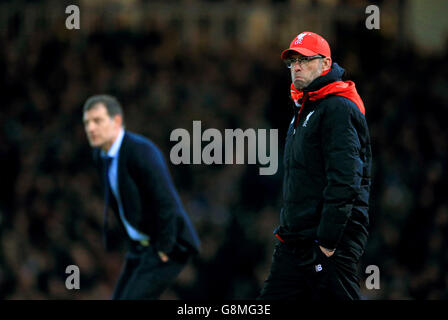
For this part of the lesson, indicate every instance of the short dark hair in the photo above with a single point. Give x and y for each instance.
(111, 103)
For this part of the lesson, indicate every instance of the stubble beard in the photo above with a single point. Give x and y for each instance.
(302, 84)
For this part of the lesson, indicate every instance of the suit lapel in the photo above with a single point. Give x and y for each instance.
(121, 168)
(96, 158)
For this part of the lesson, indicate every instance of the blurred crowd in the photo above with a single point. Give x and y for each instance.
(51, 203)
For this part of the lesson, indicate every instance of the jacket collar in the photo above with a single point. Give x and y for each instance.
(116, 146)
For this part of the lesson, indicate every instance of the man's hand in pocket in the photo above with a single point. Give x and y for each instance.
(327, 252)
(163, 256)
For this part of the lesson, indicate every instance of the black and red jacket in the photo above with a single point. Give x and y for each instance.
(327, 163)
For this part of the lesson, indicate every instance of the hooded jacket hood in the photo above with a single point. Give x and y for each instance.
(328, 84)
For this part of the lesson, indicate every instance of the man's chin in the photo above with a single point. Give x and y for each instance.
(95, 144)
(299, 85)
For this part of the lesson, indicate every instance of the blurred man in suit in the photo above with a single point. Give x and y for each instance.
(139, 189)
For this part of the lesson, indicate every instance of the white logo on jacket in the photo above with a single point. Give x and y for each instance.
(307, 118)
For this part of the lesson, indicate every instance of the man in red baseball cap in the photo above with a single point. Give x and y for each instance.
(324, 216)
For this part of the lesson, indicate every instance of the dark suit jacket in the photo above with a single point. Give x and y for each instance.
(149, 199)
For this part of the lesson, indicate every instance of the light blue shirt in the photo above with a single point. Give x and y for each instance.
(114, 153)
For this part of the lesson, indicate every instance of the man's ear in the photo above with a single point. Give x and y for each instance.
(118, 119)
(326, 64)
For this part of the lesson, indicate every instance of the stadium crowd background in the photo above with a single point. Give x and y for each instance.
(50, 199)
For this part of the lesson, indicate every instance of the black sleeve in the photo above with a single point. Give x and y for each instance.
(157, 180)
(343, 167)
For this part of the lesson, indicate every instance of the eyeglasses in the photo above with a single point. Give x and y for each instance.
(301, 61)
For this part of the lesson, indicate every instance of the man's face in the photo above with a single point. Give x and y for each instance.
(302, 74)
(101, 129)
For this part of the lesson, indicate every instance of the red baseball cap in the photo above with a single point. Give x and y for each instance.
(308, 44)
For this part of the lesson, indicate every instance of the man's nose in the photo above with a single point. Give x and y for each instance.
(297, 66)
(90, 126)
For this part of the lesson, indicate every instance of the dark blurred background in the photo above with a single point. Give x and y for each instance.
(172, 62)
